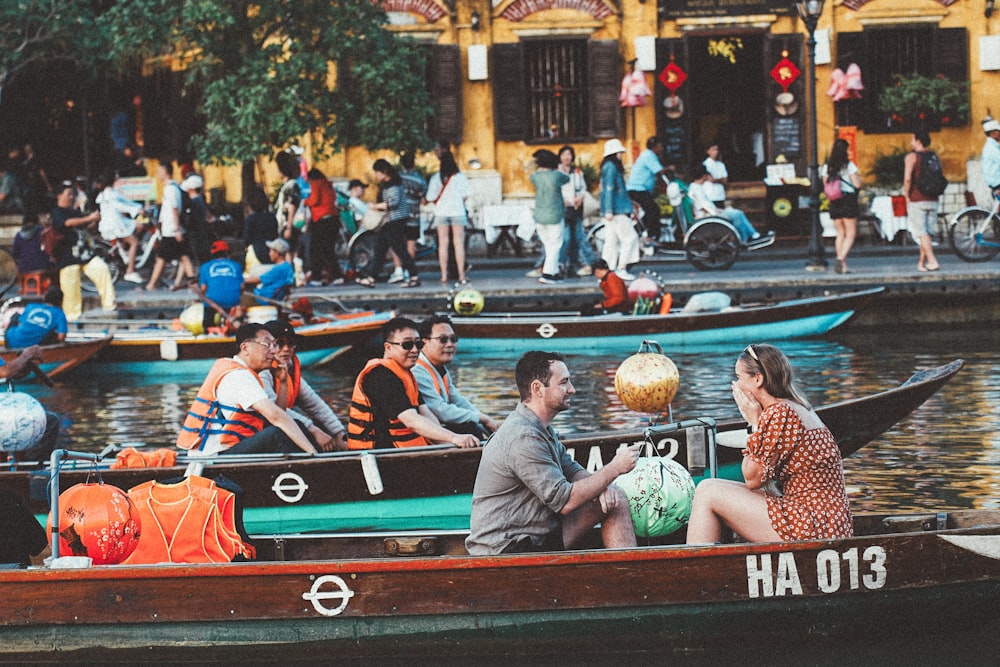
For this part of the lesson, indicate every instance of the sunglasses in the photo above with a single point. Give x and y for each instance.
(408, 344)
(443, 339)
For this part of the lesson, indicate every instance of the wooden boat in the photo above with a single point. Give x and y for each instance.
(63, 357)
(155, 347)
(925, 586)
(431, 487)
(796, 318)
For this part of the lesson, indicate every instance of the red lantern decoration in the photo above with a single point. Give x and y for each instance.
(672, 76)
(98, 521)
(643, 287)
(785, 72)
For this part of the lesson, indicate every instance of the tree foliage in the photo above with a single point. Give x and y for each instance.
(271, 71)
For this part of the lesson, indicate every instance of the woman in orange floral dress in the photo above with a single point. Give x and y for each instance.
(794, 488)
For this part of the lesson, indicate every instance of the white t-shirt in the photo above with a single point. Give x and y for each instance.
(701, 204)
(169, 224)
(717, 170)
(239, 388)
(451, 199)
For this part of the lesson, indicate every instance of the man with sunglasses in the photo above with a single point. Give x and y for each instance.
(232, 414)
(437, 387)
(386, 407)
(285, 385)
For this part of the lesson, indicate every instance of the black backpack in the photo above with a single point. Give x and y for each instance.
(931, 181)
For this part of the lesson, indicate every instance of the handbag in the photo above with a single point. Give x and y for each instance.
(373, 220)
(832, 189)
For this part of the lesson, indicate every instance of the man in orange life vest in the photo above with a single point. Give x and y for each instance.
(285, 385)
(386, 408)
(232, 414)
(437, 387)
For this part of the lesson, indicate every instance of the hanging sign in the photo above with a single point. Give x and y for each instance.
(785, 73)
(672, 76)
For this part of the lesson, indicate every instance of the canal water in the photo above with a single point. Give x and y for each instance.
(947, 454)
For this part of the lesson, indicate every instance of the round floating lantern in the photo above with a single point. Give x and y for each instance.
(659, 492)
(469, 302)
(647, 381)
(22, 421)
(643, 287)
(98, 521)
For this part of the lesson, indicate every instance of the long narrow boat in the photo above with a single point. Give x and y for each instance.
(925, 588)
(62, 357)
(431, 487)
(156, 348)
(796, 318)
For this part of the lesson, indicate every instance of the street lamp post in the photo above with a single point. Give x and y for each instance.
(809, 12)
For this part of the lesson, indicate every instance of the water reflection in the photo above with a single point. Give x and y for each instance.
(947, 452)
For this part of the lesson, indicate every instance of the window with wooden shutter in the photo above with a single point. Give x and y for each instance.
(508, 92)
(883, 53)
(444, 82)
(604, 67)
(556, 73)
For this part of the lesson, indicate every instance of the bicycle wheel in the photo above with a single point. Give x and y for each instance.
(712, 245)
(115, 266)
(361, 252)
(975, 235)
(596, 239)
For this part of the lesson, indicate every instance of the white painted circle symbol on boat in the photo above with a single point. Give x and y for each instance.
(316, 596)
(289, 487)
(546, 330)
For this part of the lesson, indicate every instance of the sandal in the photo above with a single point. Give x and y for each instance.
(365, 281)
(412, 282)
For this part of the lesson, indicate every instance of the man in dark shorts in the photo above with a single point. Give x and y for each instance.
(530, 495)
(174, 243)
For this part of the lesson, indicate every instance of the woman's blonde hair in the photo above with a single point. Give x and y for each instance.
(774, 366)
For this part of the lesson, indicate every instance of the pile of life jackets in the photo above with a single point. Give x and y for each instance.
(192, 521)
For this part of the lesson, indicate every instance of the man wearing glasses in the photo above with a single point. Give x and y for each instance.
(285, 385)
(437, 387)
(232, 414)
(386, 407)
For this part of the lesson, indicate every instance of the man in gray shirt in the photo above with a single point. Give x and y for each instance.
(530, 495)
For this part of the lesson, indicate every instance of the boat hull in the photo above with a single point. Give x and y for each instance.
(63, 357)
(179, 352)
(905, 587)
(799, 318)
(429, 488)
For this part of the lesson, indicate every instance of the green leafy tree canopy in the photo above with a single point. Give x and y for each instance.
(272, 71)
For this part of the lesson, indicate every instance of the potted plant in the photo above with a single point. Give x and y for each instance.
(916, 101)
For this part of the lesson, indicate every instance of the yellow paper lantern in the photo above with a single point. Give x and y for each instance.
(647, 381)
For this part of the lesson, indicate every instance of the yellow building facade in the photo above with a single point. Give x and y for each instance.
(532, 74)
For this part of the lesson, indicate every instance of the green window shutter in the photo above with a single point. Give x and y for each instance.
(508, 92)
(604, 71)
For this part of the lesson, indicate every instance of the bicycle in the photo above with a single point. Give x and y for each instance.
(115, 255)
(975, 232)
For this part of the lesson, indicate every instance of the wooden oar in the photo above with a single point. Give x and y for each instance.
(288, 306)
(34, 368)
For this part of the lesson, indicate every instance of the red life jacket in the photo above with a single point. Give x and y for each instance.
(189, 522)
(438, 386)
(361, 426)
(205, 417)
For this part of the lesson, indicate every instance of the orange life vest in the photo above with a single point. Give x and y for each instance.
(361, 426)
(189, 522)
(434, 378)
(293, 379)
(205, 417)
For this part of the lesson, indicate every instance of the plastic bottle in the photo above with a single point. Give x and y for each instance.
(666, 301)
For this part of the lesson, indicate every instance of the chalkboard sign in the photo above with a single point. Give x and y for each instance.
(675, 145)
(785, 137)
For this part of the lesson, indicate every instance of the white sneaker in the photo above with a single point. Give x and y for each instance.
(397, 276)
(534, 273)
(134, 277)
(624, 275)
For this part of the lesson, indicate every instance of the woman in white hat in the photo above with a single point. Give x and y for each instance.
(621, 241)
(991, 154)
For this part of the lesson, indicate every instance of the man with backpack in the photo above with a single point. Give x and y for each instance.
(923, 183)
(174, 244)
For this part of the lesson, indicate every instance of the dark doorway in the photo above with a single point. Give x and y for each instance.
(728, 101)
